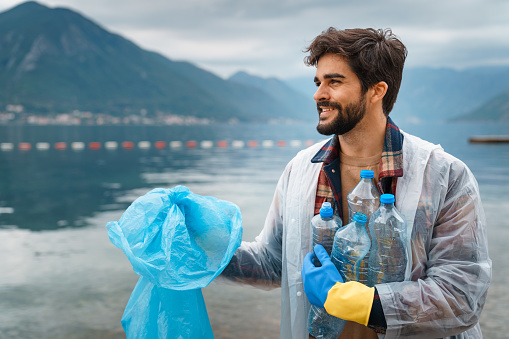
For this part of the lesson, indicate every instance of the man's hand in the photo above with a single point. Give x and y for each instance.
(350, 301)
(319, 280)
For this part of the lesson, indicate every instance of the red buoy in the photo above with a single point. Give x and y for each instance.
(222, 144)
(160, 144)
(94, 145)
(128, 144)
(25, 146)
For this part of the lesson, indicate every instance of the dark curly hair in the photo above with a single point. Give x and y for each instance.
(373, 55)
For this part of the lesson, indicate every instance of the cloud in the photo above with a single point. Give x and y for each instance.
(267, 37)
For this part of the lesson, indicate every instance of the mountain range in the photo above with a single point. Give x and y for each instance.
(56, 60)
(453, 95)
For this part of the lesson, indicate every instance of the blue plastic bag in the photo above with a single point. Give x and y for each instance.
(178, 242)
(157, 312)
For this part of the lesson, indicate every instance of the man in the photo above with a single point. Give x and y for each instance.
(358, 74)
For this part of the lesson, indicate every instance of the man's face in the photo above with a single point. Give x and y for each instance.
(340, 102)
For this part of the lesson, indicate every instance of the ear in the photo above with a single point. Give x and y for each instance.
(378, 91)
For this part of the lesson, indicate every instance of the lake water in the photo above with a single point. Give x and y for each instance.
(60, 277)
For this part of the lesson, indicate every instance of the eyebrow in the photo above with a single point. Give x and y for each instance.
(330, 76)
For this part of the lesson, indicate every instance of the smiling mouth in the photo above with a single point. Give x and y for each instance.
(326, 109)
(324, 112)
(326, 106)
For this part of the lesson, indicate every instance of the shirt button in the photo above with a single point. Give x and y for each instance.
(293, 220)
(299, 294)
(333, 171)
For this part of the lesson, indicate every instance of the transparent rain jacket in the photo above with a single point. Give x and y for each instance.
(449, 272)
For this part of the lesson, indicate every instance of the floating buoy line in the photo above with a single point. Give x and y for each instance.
(176, 144)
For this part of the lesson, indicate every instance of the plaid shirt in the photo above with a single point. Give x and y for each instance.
(391, 167)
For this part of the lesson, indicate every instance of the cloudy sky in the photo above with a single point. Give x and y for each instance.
(266, 37)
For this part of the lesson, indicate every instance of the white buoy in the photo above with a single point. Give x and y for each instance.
(78, 145)
(144, 144)
(6, 146)
(268, 143)
(206, 144)
(42, 146)
(237, 144)
(111, 145)
(176, 144)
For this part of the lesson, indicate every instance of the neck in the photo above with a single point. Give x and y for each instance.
(367, 138)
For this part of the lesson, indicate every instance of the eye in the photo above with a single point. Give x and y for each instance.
(317, 84)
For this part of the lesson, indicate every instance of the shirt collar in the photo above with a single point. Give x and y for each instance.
(391, 163)
(329, 151)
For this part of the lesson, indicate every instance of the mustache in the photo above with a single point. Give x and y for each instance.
(327, 103)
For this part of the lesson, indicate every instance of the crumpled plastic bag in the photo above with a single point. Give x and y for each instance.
(178, 242)
(157, 312)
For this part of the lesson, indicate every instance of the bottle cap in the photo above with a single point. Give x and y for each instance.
(360, 217)
(367, 174)
(387, 198)
(326, 210)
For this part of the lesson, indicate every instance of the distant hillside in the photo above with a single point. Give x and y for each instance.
(442, 94)
(294, 101)
(261, 100)
(495, 110)
(429, 94)
(55, 60)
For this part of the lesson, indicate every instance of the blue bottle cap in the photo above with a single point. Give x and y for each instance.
(326, 210)
(367, 174)
(360, 217)
(387, 198)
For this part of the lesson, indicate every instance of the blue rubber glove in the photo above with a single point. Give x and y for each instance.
(319, 280)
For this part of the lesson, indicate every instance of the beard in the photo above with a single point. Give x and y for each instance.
(345, 120)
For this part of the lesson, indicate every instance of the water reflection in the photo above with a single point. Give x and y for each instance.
(54, 189)
(60, 279)
(45, 190)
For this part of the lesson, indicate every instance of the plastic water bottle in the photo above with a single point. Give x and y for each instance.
(351, 244)
(364, 197)
(324, 227)
(388, 255)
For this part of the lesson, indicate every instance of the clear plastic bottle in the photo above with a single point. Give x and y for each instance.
(364, 197)
(324, 227)
(351, 244)
(388, 256)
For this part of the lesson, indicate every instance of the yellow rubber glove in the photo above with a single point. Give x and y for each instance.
(351, 301)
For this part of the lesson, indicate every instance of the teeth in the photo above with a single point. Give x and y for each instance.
(326, 109)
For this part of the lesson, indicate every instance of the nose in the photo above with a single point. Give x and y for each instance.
(321, 94)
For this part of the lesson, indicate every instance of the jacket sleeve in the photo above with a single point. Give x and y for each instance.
(451, 269)
(259, 263)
